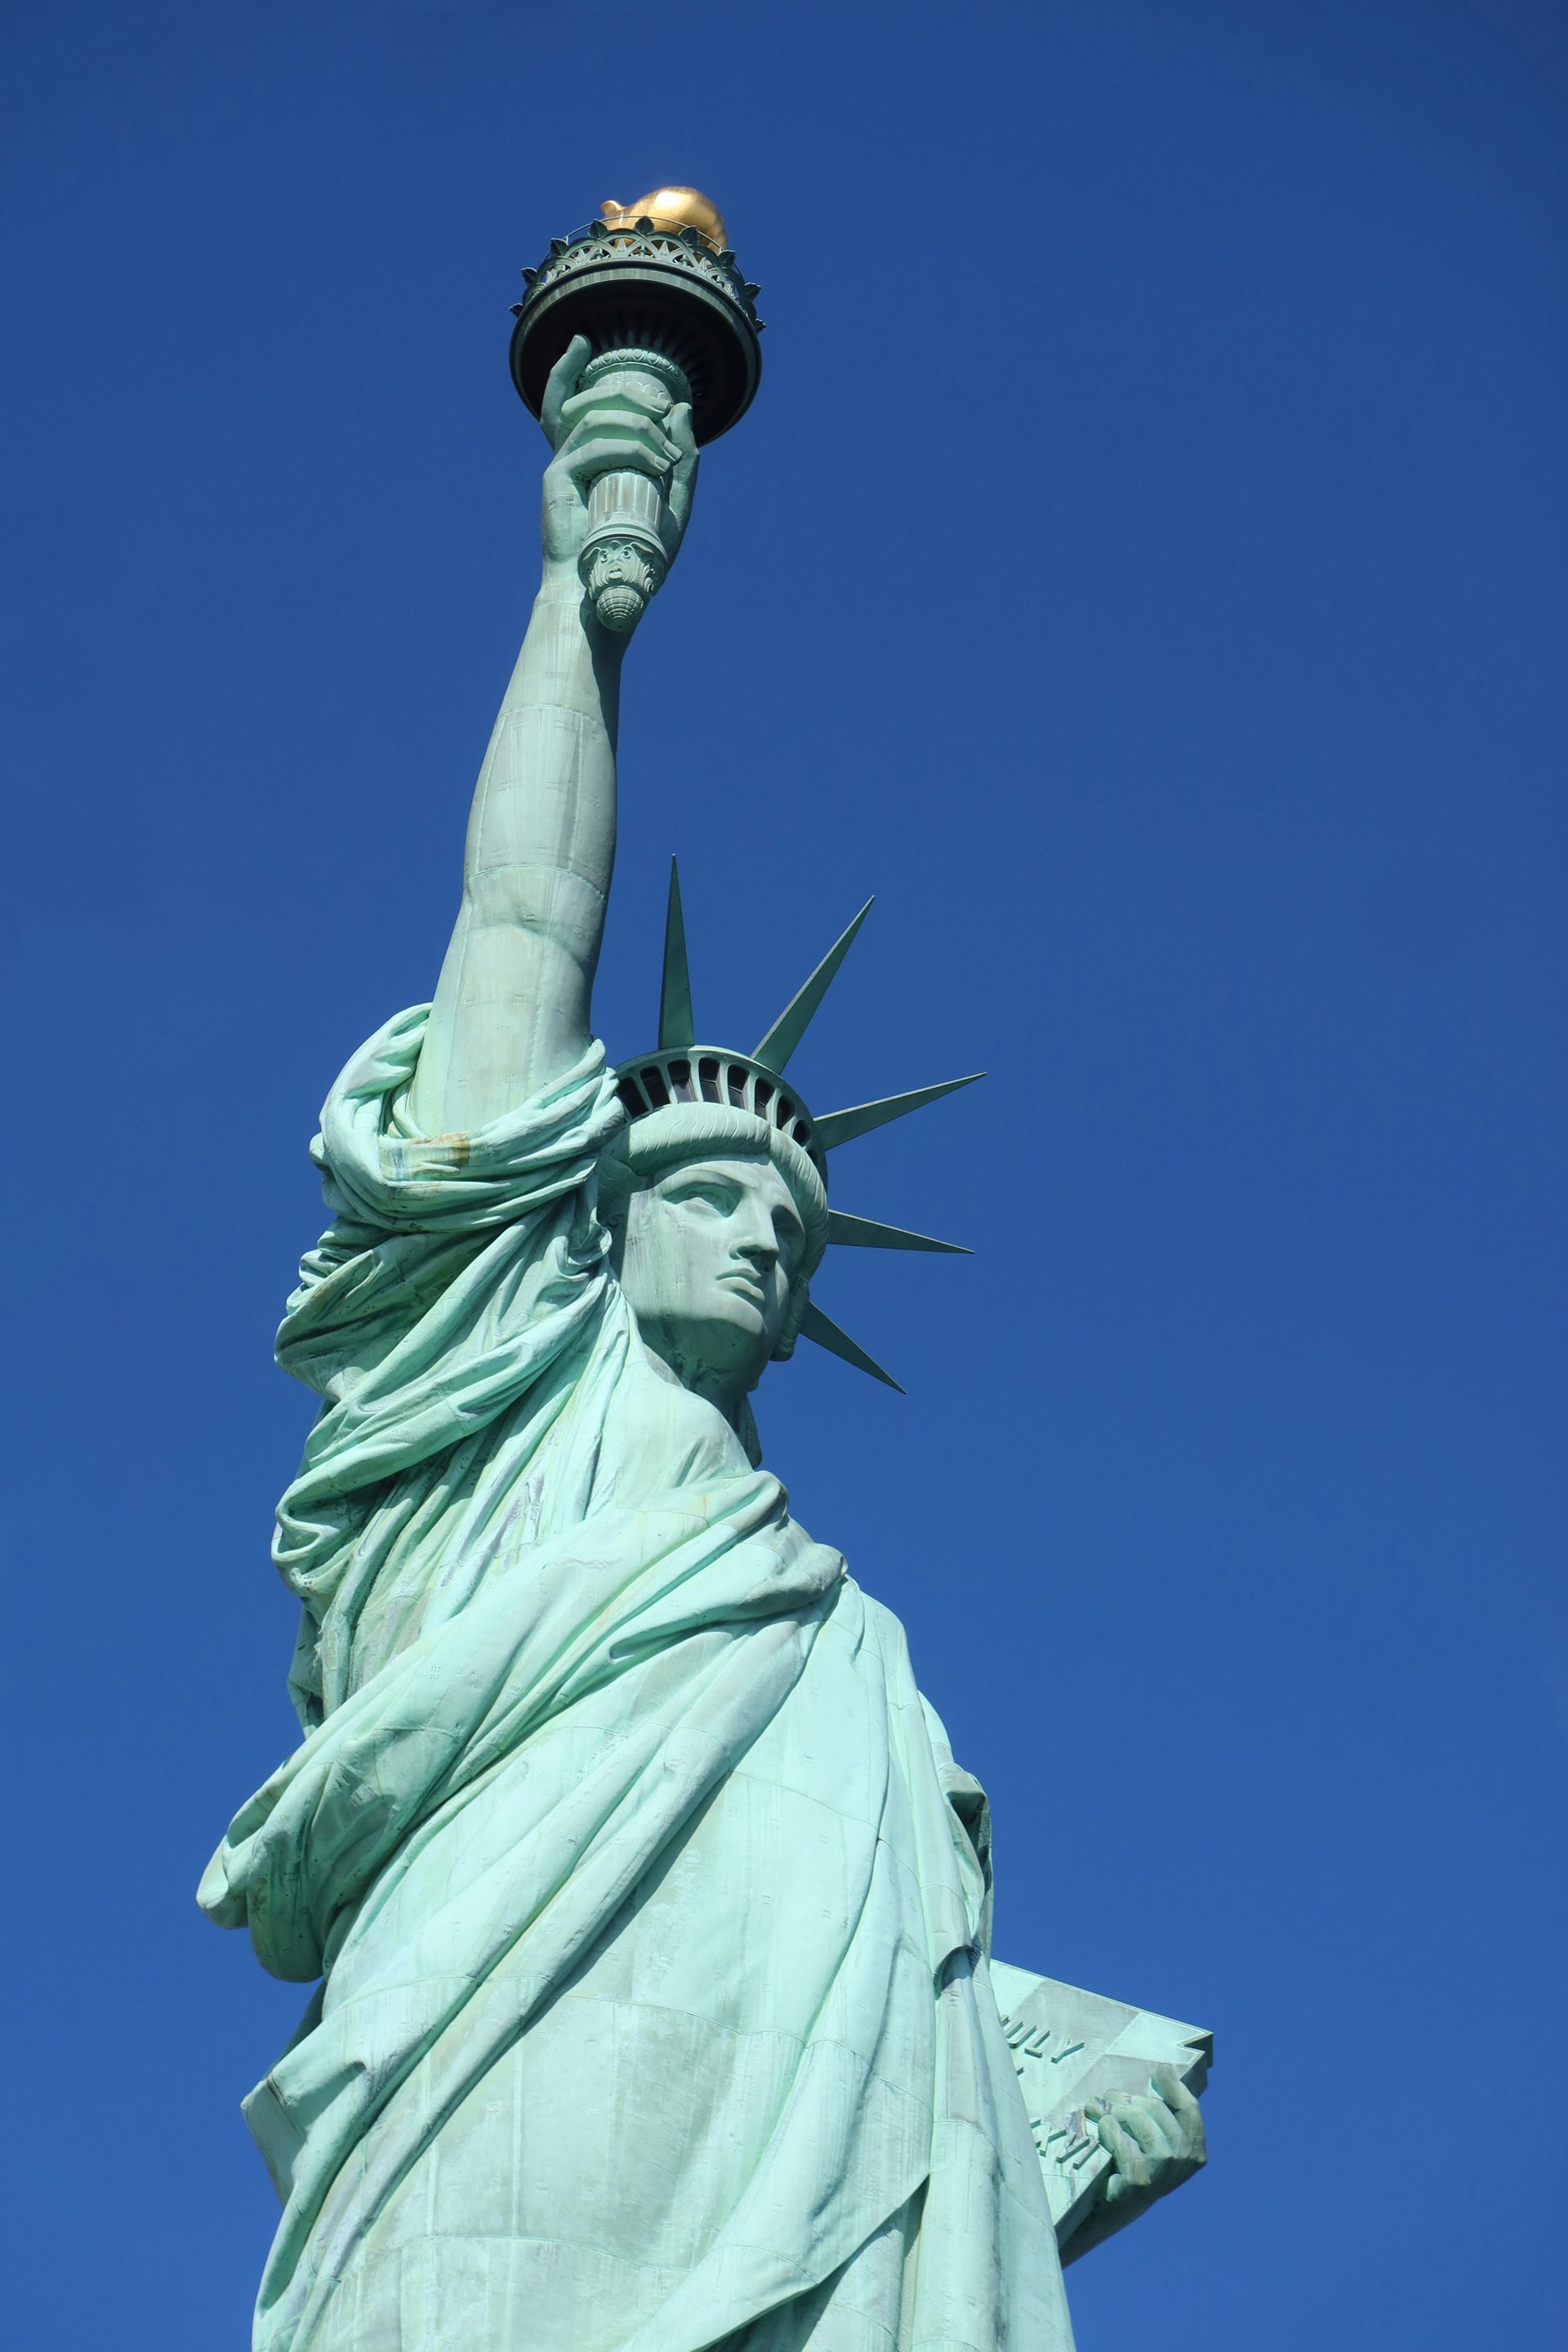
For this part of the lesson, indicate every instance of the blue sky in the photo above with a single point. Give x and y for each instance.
(1143, 567)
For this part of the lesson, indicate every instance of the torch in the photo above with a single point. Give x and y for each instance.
(654, 288)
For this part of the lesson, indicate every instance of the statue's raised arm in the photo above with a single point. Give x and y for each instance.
(512, 1005)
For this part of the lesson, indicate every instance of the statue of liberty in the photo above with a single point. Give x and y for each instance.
(648, 1905)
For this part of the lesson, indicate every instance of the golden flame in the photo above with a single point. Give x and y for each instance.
(672, 208)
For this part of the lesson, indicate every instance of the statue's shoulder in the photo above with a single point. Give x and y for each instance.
(884, 1628)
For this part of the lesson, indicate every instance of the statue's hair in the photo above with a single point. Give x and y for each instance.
(647, 1149)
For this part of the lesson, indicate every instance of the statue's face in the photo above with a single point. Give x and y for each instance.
(710, 1249)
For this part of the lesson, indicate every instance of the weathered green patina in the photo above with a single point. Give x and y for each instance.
(649, 1908)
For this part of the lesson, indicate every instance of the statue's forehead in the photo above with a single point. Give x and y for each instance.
(753, 1171)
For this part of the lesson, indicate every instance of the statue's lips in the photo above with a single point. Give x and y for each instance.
(746, 1286)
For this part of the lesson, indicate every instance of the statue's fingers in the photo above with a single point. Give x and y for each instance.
(624, 402)
(683, 481)
(620, 423)
(587, 460)
(560, 385)
(1171, 2128)
(681, 430)
(1125, 2153)
(1169, 2087)
(1147, 2122)
(1185, 2107)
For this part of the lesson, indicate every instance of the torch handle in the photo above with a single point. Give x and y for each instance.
(624, 560)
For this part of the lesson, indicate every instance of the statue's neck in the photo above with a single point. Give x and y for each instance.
(728, 1399)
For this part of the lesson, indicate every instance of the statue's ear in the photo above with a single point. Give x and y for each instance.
(799, 1300)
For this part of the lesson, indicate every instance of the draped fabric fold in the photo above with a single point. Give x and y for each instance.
(650, 1906)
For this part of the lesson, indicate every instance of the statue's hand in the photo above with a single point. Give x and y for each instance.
(1155, 2138)
(592, 434)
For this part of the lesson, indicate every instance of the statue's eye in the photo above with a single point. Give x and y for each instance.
(717, 1197)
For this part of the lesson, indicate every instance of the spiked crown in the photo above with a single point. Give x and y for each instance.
(682, 1072)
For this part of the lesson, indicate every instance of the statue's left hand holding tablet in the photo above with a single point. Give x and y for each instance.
(1155, 2140)
(600, 431)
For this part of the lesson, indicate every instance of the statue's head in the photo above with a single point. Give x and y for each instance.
(718, 1222)
(715, 1192)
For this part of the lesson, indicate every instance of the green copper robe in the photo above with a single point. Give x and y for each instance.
(650, 1907)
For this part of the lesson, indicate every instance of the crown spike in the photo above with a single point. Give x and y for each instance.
(815, 1325)
(844, 1125)
(675, 1027)
(797, 1015)
(868, 1233)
